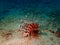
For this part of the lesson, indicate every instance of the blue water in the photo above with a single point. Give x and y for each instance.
(44, 12)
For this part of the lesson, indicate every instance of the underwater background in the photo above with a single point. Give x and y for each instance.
(44, 12)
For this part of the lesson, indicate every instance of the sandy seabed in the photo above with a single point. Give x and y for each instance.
(15, 37)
